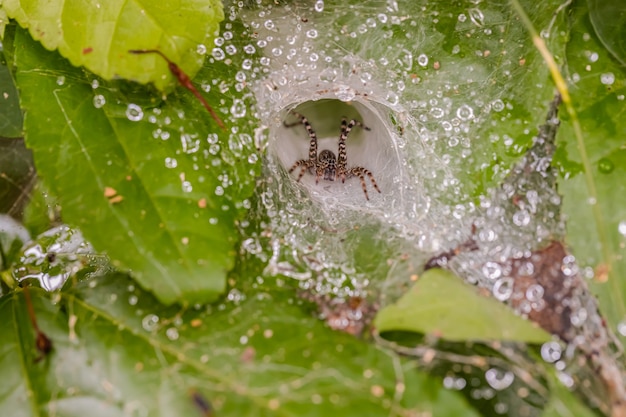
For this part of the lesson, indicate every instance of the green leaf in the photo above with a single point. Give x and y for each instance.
(443, 305)
(598, 87)
(609, 21)
(130, 176)
(118, 352)
(10, 114)
(98, 35)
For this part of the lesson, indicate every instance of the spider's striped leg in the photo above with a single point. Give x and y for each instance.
(361, 173)
(305, 164)
(309, 130)
(342, 157)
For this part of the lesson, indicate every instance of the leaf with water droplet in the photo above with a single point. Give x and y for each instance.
(598, 98)
(442, 305)
(263, 355)
(98, 35)
(163, 221)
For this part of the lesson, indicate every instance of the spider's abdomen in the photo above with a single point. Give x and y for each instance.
(327, 165)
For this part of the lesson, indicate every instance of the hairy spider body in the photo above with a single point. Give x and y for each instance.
(326, 165)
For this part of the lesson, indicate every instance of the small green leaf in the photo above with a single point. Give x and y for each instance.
(98, 34)
(443, 305)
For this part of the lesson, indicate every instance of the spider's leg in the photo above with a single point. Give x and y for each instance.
(342, 158)
(309, 129)
(361, 173)
(297, 164)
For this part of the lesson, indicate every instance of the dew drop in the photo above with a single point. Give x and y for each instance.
(132, 300)
(172, 333)
(150, 322)
(476, 16)
(621, 328)
(607, 78)
(218, 54)
(345, 93)
(60, 80)
(238, 109)
(503, 288)
(171, 162)
(422, 60)
(521, 218)
(187, 187)
(201, 49)
(534, 293)
(551, 352)
(492, 270)
(134, 113)
(497, 105)
(99, 101)
(189, 144)
(312, 33)
(499, 379)
(319, 6)
(465, 112)
(605, 166)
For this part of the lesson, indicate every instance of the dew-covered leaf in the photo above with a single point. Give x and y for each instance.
(143, 178)
(442, 305)
(117, 351)
(10, 114)
(598, 87)
(98, 35)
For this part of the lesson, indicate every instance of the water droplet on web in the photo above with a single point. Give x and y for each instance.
(503, 288)
(534, 293)
(99, 101)
(551, 352)
(201, 49)
(312, 33)
(497, 105)
(150, 322)
(465, 112)
(345, 93)
(521, 218)
(499, 379)
(492, 270)
(319, 6)
(422, 60)
(134, 113)
(238, 109)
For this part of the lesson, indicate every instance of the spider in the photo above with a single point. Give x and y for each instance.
(326, 165)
